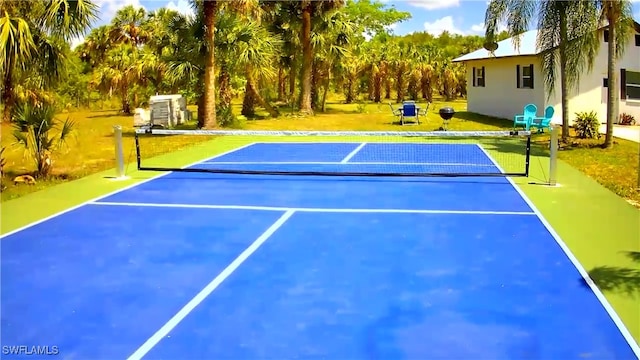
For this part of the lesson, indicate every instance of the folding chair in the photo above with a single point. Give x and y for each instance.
(395, 112)
(410, 110)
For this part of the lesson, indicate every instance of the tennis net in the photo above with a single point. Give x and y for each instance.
(338, 153)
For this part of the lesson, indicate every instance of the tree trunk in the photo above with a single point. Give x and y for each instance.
(257, 97)
(126, 104)
(612, 88)
(8, 98)
(400, 83)
(281, 85)
(564, 81)
(248, 102)
(224, 83)
(292, 78)
(326, 90)
(201, 110)
(209, 121)
(315, 96)
(387, 88)
(307, 60)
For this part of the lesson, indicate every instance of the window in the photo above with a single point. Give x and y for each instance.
(606, 36)
(524, 76)
(478, 77)
(637, 39)
(605, 82)
(630, 85)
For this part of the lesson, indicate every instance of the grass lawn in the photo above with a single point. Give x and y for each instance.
(91, 149)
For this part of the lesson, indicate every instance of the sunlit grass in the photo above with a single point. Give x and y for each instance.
(90, 150)
(616, 168)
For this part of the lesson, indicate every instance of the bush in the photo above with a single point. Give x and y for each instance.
(226, 118)
(627, 119)
(586, 125)
(45, 134)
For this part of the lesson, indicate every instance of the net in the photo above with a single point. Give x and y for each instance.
(336, 153)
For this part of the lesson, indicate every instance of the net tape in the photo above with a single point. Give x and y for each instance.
(502, 133)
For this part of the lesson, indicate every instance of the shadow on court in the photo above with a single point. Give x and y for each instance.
(618, 279)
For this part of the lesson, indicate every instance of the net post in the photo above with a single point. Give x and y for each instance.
(553, 156)
(119, 152)
(528, 156)
(138, 161)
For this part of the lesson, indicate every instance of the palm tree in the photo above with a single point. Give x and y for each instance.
(96, 45)
(332, 43)
(561, 38)
(128, 27)
(210, 9)
(617, 13)
(30, 38)
(309, 9)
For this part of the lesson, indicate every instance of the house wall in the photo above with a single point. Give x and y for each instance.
(500, 96)
(591, 95)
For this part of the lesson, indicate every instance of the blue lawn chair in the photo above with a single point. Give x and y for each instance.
(526, 118)
(410, 110)
(542, 123)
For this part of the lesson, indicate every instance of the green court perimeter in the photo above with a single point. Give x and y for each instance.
(600, 228)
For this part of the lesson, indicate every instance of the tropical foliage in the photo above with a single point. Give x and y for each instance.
(266, 54)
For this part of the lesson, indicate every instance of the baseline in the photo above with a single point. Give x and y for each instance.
(583, 272)
(207, 290)
(128, 187)
(301, 209)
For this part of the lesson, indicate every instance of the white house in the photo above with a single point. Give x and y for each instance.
(502, 84)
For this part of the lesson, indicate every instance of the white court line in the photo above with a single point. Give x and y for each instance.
(585, 275)
(353, 153)
(323, 210)
(193, 303)
(113, 193)
(339, 163)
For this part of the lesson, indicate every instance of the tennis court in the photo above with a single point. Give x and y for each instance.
(246, 266)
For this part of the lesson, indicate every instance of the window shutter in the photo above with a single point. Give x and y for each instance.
(473, 75)
(484, 81)
(518, 76)
(531, 72)
(623, 84)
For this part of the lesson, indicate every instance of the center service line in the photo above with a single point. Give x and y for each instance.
(180, 315)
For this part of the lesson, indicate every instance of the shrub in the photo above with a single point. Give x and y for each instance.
(586, 125)
(627, 119)
(45, 135)
(227, 119)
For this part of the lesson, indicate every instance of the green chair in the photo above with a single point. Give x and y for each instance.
(524, 120)
(542, 123)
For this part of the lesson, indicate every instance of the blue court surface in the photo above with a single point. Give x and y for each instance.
(220, 266)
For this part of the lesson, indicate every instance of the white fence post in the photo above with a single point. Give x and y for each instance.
(117, 138)
(553, 156)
